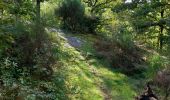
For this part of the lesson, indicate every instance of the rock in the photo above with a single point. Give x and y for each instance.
(74, 41)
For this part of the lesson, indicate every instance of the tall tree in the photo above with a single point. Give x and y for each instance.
(98, 5)
(38, 11)
(39, 30)
(149, 16)
(97, 10)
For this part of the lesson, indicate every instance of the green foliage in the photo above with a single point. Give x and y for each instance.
(89, 77)
(124, 37)
(98, 6)
(152, 20)
(5, 42)
(90, 24)
(71, 12)
(1, 4)
(9, 71)
(156, 63)
(123, 7)
(25, 71)
(36, 64)
(22, 8)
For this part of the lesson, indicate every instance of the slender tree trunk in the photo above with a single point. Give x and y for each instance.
(38, 12)
(160, 37)
(38, 25)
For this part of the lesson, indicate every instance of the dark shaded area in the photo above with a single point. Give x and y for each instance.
(148, 94)
(127, 60)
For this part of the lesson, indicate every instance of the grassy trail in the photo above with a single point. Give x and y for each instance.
(91, 78)
(88, 77)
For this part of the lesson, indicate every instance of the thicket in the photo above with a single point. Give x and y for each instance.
(73, 17)
(26, 53)
(151, 22)
(148, 21)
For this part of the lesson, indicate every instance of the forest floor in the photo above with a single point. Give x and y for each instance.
(89, 77)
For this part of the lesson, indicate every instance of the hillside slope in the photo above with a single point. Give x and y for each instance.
(89, 77)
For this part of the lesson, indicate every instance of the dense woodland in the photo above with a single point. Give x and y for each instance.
(84, 49)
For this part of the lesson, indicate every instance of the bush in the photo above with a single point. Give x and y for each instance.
(156, 63)
(71, 13)
(23, 48)
(24, 62)
(124, 37)
(90, 23)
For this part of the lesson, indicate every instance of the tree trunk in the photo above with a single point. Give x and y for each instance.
(38, 12)
(38, 25)
(160, 37)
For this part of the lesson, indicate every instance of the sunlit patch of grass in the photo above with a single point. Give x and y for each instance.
(88, 90)
(79, 80)
(117, 83)
(84, 78)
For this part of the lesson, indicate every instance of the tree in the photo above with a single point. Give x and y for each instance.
(148, 16)
(96, 10)
(20, 9)
(97, 6)
(39, 29)
(38, 16)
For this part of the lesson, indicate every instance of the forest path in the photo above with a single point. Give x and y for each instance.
(72, 41)
(90, 77)
(75, 42)
(99, 82)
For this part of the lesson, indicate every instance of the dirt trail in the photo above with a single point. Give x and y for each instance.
(103, 88)
(75, 42)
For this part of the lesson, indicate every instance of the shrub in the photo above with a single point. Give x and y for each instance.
(156, 63)
(71, 13)
(23, 65)
(124, 37)
(23, 48)
(90, 23)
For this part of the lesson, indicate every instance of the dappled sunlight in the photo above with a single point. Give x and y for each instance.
(117, 83)
(78, 74)
(90, 75)
(84, 49)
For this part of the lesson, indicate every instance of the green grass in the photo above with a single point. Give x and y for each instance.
(93, 79)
